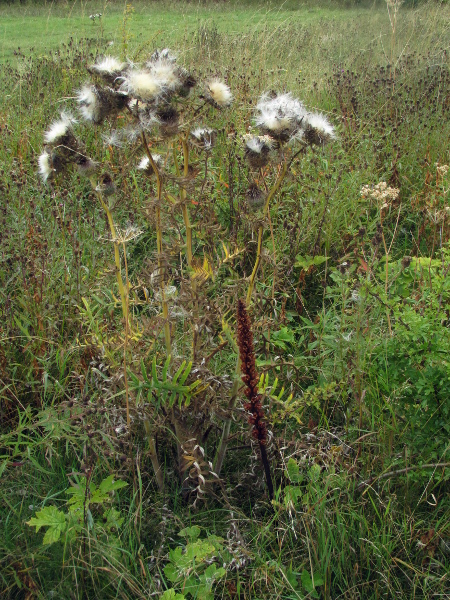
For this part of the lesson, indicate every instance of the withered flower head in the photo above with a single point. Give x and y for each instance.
(106, 185)
(255, 196)
(169, 120)
(204, 138)
(257, 149)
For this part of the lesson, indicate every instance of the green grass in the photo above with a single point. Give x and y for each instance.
(43, 27)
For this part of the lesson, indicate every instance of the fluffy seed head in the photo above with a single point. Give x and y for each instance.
(108, 65)
(204, 138)
(257, 149)
(141, 84)
(59, 129)
(45, 166)
(88, 103)
(144, 163)
(219, 93)
(165, 72)
(280, 116)
(318, 130)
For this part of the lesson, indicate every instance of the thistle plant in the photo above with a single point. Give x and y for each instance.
(161, 117)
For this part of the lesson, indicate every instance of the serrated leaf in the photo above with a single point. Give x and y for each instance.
(171, 573)
(109, 485)
(52, 518)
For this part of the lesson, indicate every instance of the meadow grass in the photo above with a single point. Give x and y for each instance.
(367, 404)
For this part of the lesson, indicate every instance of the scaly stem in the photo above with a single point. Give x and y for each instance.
(270, 196)
(159, 247)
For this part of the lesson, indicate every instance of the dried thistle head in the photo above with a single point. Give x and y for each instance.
(146, 166)
(108, 67)
(218, 93)
(255, 196)
(279, 116)
(168, 119)
(257, 149)
(141, 84)
(86, 166)
(46, 169)
(317, 129)
(96, 104)
(203, 138)
(105, 185)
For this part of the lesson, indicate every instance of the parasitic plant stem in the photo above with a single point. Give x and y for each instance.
(250, 378)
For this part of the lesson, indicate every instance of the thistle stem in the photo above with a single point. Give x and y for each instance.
(159, 247)
(122, 291)
(221, 450)
(270, 196)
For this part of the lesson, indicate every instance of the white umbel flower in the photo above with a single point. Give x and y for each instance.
(219, 93)
(59, 129)
(45, 166)
(141, 84)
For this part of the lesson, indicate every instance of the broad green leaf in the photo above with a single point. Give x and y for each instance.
(293, 471)
(52, 518)
(171, 572)
(191, 533)
(172, 595)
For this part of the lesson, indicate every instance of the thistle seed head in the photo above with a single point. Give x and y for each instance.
(218, 93)
(86, 166)
(168, 119)
(108, 67)
(145, 165)
(142, 84)
(279, 116)
(257, 149)
(255, 196)
(317, 129)
(60, 130)
(204, 138)
(106, 185)
(45, 166)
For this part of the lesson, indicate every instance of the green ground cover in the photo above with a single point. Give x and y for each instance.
(349, 312)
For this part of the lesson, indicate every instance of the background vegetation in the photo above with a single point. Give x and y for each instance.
(350, 315)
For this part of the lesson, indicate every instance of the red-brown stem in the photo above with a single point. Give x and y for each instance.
(250, 378)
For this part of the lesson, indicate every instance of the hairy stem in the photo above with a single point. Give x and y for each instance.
(270, 195)
(159, 247)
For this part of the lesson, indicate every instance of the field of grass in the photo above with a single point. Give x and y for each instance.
(120, 386)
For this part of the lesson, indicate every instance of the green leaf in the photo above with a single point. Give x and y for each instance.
(171, 572)
(109, 485)
(172, 595)
(305, 262)
(191, 533)
(52, 518)
(293, 471)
